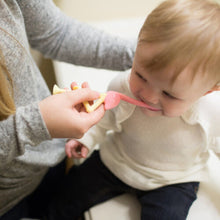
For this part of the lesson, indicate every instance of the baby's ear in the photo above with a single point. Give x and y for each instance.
(215, 88)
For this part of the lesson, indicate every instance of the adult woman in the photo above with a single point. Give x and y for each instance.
(27, 149)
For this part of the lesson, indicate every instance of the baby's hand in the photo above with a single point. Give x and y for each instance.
(75, 149)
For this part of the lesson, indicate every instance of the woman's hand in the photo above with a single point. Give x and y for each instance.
(65, 116)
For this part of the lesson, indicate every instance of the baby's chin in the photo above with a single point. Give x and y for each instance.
(151, 113)
(171, 114)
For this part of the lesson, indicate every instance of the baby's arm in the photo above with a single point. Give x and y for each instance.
(76, 149)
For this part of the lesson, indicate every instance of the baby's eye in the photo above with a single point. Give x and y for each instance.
(168, 95)
(141, 77)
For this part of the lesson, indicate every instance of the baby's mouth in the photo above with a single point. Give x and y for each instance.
(150, 104)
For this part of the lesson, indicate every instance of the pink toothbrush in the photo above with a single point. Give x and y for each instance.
(113, 98)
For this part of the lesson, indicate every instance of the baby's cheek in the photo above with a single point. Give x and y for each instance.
(174, 110)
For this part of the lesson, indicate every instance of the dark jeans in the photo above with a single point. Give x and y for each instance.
(36, 205)
(92, 183)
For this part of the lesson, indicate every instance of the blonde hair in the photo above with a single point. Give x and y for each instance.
(189, 32)
(7, 105)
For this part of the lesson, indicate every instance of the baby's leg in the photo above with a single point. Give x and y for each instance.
(85, 186)
(169, 202)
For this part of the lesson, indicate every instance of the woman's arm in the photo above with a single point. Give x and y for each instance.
(58, 116)
(60, 37)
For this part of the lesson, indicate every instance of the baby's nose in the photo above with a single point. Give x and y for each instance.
(152, 97)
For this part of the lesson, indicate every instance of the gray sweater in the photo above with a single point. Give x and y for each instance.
(26, 148)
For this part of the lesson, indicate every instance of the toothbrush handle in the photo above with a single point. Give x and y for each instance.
(131, 100)
(136, 102)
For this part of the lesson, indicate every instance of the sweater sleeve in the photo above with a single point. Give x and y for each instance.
(63, 38)
(210, 106)
(26, 127)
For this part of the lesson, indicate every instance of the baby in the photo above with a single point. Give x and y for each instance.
(159, 156)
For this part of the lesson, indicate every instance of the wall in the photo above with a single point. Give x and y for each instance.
(96, 10)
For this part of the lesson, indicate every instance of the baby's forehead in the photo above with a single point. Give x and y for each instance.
(162, 55)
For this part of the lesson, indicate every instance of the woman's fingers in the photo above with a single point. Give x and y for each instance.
(81, 95)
